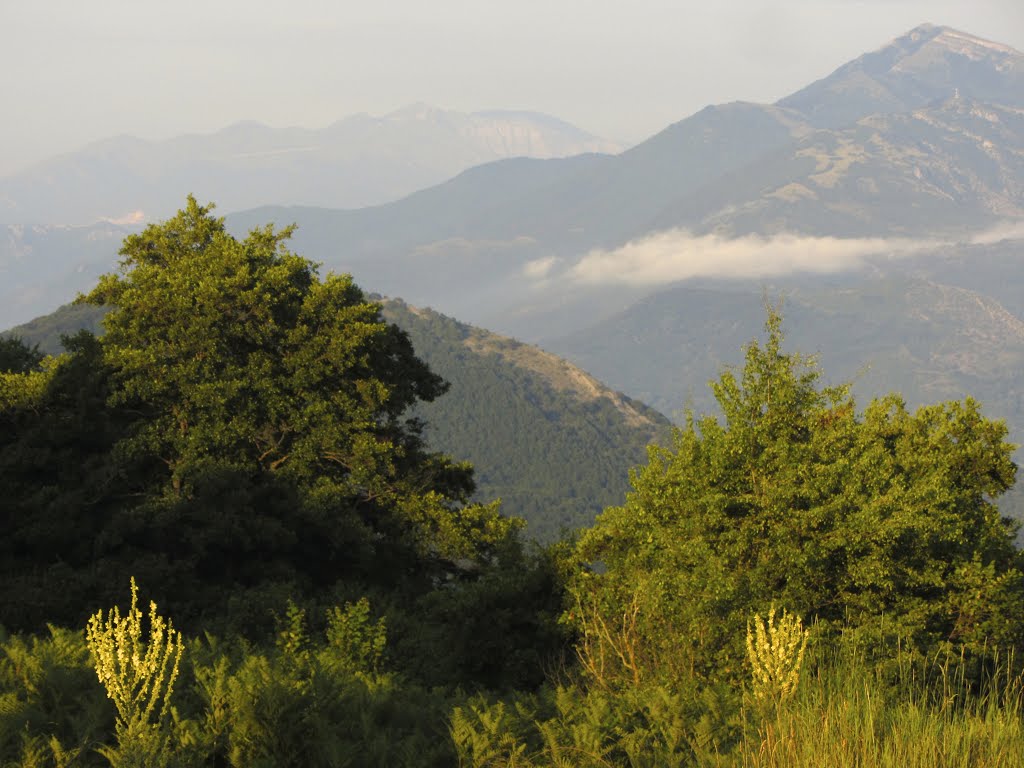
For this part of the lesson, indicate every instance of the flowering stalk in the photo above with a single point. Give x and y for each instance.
(775, 650)
(137, 675)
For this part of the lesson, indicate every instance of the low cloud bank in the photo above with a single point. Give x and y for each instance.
(538, 269)
(677, 254)
(999, 233)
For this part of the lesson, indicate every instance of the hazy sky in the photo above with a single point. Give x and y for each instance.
(72, 71)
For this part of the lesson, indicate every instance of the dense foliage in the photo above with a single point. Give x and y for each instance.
(326, 699)
(306, 700)
(240, 427)
(18, 357)
(556, 452)
(879, 526)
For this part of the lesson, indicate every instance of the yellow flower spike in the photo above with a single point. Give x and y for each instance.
(775, 650)
(133, 672)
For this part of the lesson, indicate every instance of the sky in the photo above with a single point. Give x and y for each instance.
(73, 72)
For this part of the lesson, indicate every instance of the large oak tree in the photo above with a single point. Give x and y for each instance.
(240, 426)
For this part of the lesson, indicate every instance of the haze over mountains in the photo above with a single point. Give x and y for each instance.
(63, 220)
(358, 161)
(941, 163)
(884, 202)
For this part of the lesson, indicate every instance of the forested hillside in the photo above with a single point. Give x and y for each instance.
(548, 440)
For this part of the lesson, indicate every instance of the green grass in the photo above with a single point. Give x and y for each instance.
(923, 714)
(845, 716)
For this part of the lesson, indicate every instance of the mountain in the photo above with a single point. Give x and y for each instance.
(568, 204)
(481, 244)
(358, 161)
(928, 64)
(41, 265)
(954, 167)
(62, 221)
(547, 438)
(936, 155)
(883, 332)
(552, 442)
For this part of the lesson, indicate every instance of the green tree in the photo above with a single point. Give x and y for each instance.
(880, 525)
(254, 433)
(18, 357)
(62, 487)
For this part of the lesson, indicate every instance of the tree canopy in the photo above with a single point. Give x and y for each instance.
(242, 423)
(878, 525)
(18, 357)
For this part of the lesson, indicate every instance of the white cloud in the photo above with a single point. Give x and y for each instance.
(538, 269)
(1008, 231)
(677, 254)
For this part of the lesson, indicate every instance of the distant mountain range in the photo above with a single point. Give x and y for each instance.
(42, 266)
(927, 150)
(62, 220)
(358, 161)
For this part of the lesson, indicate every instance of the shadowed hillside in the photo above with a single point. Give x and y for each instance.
(552, 442)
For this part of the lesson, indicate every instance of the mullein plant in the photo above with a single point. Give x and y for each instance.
(775, 650)
(138, 677)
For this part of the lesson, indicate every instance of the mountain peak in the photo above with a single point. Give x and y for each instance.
(927, 64)
(417, 111)
(955, 41)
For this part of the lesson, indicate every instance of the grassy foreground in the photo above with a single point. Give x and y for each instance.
(330, 702)
(844, 718)
(843, 715)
